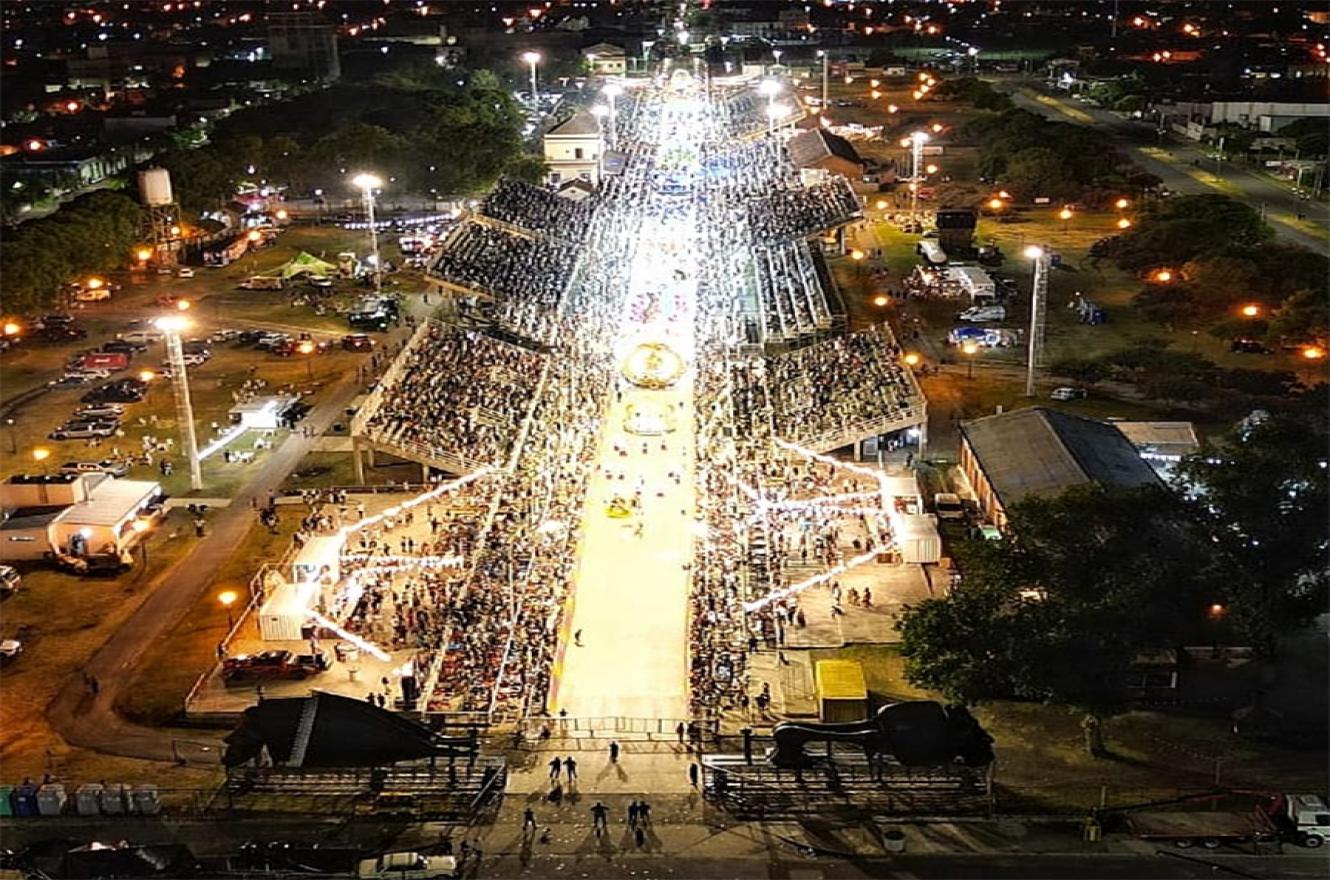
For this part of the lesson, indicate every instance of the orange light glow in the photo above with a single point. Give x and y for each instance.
(1251, 310)
(1313, 352)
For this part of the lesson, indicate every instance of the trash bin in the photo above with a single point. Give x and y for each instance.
(25, 800)
(893, 840)
(113, 799)
(145, 800)
(6, 800)
(51, 799)
(88, 800)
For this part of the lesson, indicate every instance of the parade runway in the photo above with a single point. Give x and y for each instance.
(630, 596)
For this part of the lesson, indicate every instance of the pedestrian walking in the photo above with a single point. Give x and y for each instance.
(632, 815)
(528, 820)
(644, 812)
(693, 773)
(678, 730)
(570, 767)
(577, 638)
(555, 765)
(614, 752)
(600, 816)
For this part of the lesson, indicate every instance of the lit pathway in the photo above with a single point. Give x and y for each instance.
(630, 599)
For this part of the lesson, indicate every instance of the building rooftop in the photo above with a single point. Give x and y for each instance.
(580, 124)
(110, 502)
(1039, 451)
(810, 147)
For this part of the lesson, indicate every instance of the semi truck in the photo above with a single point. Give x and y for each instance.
(1213, 819)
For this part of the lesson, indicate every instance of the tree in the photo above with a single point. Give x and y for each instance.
(1039, 171)
(1084, 370)
(1059, 608)
(1261, 491)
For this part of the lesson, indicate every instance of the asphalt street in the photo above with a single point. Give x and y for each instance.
(1172, 160)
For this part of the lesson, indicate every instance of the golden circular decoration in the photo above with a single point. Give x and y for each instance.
(653, 365)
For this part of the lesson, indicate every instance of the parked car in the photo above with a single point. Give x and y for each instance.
(407, 866)
(121, 391)
(61, 333)
(84, 430)
(10, 580)
(92, 295)
(1249, 346)
(320, 283)
(10, 649)
(270, 665)
(1066, 392)
(983, 314)
(948, 505)
(107, 411)
(69, 380)
(124, 346)
(101, 565)
(144, 338)
(197, 346)
(184, 272)
(357, 342)
(110, 466)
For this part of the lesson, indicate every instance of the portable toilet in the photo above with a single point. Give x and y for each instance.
(842, 694)
(113, 799)
(145, 800)
(25, 800)
(88, 799)
(6, 801)
(51, 799)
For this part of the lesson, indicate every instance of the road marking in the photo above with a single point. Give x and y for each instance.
(1054, 103)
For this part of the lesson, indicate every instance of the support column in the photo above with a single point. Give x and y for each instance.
(357, 462)
(369, 454)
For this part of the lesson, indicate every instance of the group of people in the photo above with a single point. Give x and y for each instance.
(459, 393)
(525, 275)
(539, 210)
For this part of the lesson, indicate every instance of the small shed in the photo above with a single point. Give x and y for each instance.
(261, 413)
(284, 613)
(842, 693)
(917, 538)
(975, 282)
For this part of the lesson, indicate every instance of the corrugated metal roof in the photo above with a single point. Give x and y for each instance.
(110, 502)
(580, 123)
(1175, 437)
(810, 147)
(1039, 451)
(840, 680)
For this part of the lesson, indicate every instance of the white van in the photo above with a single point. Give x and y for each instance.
(982, 314)
(948, 505)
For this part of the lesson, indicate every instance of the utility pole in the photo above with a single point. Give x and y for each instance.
(175, 356)
(1114, 32)
(1038, 309)
(826, 74)
(1219, 158)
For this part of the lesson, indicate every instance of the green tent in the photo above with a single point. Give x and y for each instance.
(307, 264)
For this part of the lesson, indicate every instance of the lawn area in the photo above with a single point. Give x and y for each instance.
(1041, 757)
(158, 686)
(62, 621)
(322, 470)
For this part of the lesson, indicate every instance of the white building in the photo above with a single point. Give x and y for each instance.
(606, 59)
(73, 515)
(573, 149)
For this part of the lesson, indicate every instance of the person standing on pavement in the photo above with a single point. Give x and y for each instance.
(600, 818)
(614, 752)
(693, 774)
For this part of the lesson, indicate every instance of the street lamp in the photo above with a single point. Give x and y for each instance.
(1124, 223)
(307, 348)
(171, 327)
(826, 62)
(912, 360)
(612, 91)
(1122, 204)
(1038, 301)
(367, 183)
(917, 140)
(40, 454)
(533, 58)
(970, 350)
(880, 300)
(1251, 310)
(228, 598)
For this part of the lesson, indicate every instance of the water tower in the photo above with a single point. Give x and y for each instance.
(164, 222)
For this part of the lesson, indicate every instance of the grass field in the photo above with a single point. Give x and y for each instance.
(1154, 754)
(62, 621)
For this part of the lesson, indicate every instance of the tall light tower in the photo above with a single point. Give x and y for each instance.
(826, 75)
(171, 327)
(532, 59)
(917, 141)
(1038, 313)
(367, 183)
(612, 91)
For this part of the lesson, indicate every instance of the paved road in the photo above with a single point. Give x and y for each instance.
(92, 723)
(1172, 161)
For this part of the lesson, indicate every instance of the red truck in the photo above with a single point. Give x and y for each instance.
(105, 360)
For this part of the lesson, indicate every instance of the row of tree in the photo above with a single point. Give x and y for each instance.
(1033, 157)
(1058, 610)
(1219, 255)
(414, 125)
(91, 234)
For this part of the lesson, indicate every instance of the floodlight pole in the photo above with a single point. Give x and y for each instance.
(175, 356)
(1038, 309)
